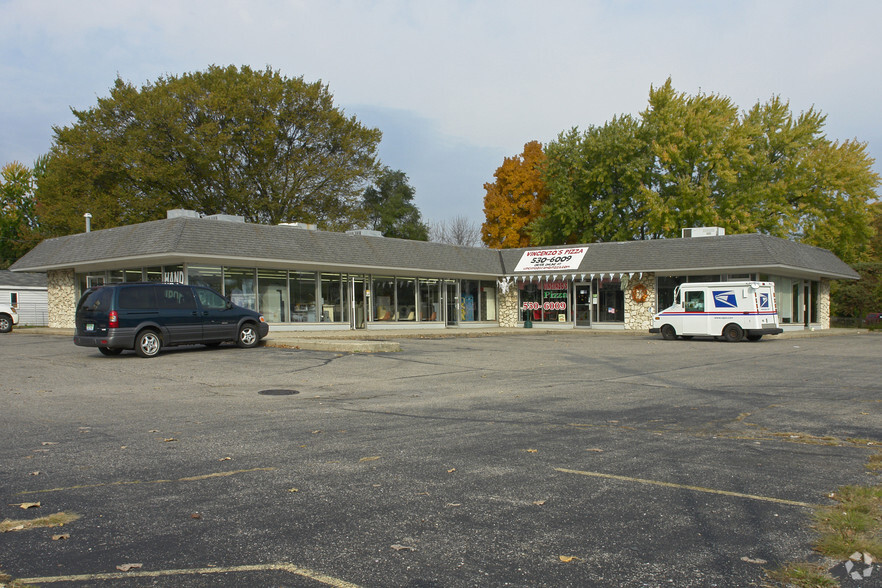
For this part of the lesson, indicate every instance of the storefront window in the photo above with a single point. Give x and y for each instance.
(554, 301)
(333, 308)
(239, 286)
(384, 299)
(302, 296)
(665, 286)
(468, 301)
(272, 290)
(114, 276)
(153, 274)
(430, 300)
(133, 275)
(406, 291)
(208, 276)
(610, 301)
(530, 301)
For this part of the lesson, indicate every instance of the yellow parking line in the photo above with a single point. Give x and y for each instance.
(128, 482)
(282, 567)
(687, 487)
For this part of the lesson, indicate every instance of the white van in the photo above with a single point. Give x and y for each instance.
(731, 310)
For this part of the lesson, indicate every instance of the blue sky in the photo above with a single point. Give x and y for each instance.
(455, 86)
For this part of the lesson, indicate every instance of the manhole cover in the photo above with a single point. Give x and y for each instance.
(278, 392)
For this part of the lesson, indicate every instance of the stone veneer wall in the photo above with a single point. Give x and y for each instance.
(507, 304)
(62, 293)
(824, 304)
(638, 315)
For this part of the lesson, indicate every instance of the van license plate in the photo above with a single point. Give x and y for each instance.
(90, 327)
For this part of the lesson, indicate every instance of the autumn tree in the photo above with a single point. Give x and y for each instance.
(389, 207)
(513, 201)
(19, 227)
(225, 140)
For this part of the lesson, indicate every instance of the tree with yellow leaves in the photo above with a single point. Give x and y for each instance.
(514, 200)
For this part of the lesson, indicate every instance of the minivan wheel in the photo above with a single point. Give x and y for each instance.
(5, 323)
(148, 343)
(248, 336)
(733, 333)
(109, 351)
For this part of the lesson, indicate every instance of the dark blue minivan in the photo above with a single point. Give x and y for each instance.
(148, 316)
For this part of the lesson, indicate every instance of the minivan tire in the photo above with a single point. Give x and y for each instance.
(110, 351)
(248, 336)
(148, 343)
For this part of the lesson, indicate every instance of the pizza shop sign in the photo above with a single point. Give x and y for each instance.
(544, 260)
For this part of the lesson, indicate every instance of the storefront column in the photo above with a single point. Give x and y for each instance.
(507, 293)
(62, 297)
(824, 304)
(638, 315)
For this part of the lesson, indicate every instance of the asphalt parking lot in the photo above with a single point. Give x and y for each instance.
(536, 460)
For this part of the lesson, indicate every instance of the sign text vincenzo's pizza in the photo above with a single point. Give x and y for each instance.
(546, 260)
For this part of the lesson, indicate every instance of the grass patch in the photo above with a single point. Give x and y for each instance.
(854, 523)
(802, 575)
(54, 520)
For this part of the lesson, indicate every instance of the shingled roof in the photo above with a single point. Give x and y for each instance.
(216, 242)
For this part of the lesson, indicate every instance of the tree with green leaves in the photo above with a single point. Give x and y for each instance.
(389, 207)
(691, 161)
(19, 228)
(226, 140)
(594, 180)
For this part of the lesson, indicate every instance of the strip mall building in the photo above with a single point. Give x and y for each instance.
(304, 279)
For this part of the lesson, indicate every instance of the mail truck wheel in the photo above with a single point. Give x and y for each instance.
(5, 323)
(754, 337)
(668, 333)
(733, 333)
(148, 343)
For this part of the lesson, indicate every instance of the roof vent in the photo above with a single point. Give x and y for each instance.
(226, 217)
(306, 226)
(364, 233)
(181, 213)
(703, 232)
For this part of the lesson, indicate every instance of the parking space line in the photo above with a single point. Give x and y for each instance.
(687, 487)
(279, 567)
(132, 482)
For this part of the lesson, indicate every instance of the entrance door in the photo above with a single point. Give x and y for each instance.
(583, 304)
(356, 302)
(452, 305)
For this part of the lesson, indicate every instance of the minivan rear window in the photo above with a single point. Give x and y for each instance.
(99, 299)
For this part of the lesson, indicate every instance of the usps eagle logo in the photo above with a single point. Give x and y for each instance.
(725, 299)
(764, 300)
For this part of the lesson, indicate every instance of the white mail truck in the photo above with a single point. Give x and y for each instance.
(727, 310)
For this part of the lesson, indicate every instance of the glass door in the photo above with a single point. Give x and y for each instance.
(583, 304)
(452, 302)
